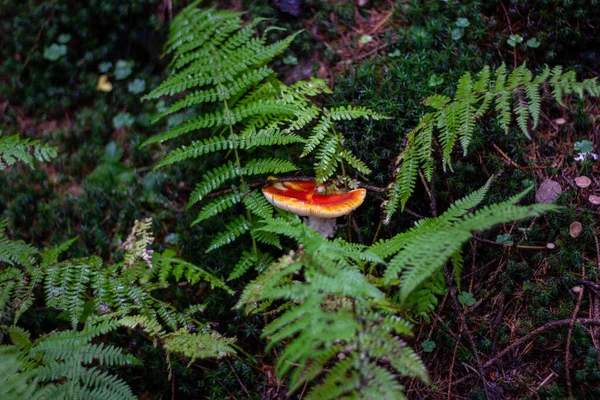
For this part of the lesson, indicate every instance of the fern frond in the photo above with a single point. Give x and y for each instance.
(233, 230)
(199, 345)
(464, 99)
(258, 205)
(262, 108)
(14, 252)
(197, 149)
(218, 205)
(149, 325)
(517, 93)
(341, 307)
(424, 300)
(167, 264)
(50, 255)
(66, 285)
(14, 382)
(215, 178)
(326, 158)
(312, 87)
(236, 88)
(354, 162)
(352, 112)
(318, 134)
(138, 242)
(247, 260)
(219, 63)
(14, 149)
(426, 250)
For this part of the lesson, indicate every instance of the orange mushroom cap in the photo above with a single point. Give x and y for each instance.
(308, 199)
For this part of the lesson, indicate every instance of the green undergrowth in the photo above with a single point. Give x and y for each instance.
(101, 181)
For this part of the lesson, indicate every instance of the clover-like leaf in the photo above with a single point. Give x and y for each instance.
(364, 39)
(105, 66)
(64, 38)
(584, 146)
(504, 239)
(513, 40)
(462, 22)
(290, 60)
(123, 119)
(466, 299)
(55, 51)
(123, 69)
(435, 80)
(137, 86)
(457, 33)
(533, 43)
(428, 346)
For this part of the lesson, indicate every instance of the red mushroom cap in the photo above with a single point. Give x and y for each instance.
(308, 199)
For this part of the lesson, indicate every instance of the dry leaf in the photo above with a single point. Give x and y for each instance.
(583, 181)
(103, 84)
(575, 229)
(594, 199)
(548, 192)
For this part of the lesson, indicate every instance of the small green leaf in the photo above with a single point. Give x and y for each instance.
(533, 43)
(172, 239)
(364, 39)
(55, 51)
(123, 119)
(504, 239)
(123, 69)
(462, 22)
(290, 60)
(153, 181)
(64, 38)
(137, 86)
(457, 33)
(428, 346)
(435, 80)
(466, 299)
(528, 183)
(113, 153)
(395, 53)
(513, 40)
(584, 146)
(104, 67)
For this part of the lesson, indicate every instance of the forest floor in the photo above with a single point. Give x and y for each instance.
(530, 291)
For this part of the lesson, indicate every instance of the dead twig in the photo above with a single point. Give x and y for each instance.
(570, 337)
(238, 379)
(517, 246)
(452, 370)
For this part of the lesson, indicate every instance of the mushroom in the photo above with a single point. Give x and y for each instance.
(320, 203)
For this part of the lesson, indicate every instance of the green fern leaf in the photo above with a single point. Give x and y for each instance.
(232, 232)
(218, 205)
(14, 149)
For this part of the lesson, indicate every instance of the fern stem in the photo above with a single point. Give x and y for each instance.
(377, 232)
(238, 164)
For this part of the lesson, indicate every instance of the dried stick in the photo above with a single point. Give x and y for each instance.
(570, 337)
(452, 370)
(238, 379)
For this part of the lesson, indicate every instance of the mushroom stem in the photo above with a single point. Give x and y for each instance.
(325, 226)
